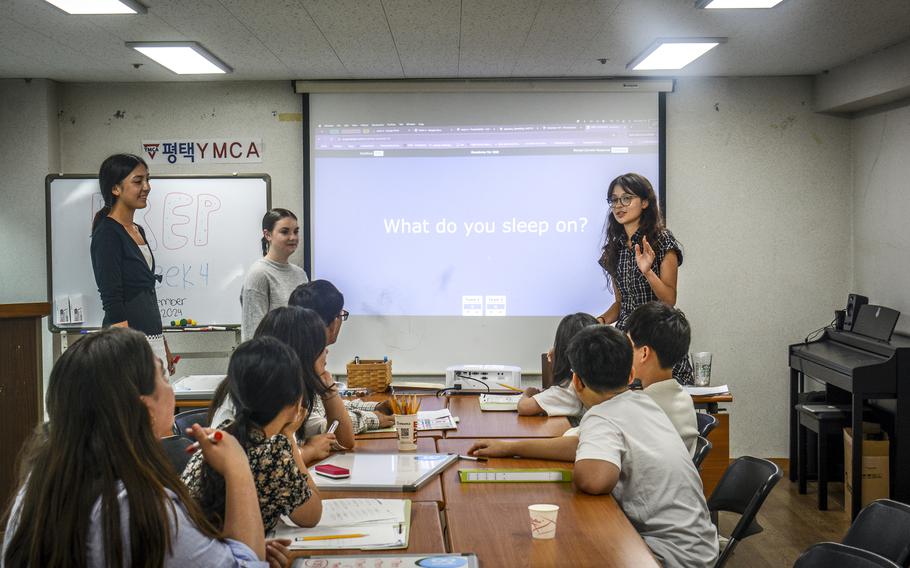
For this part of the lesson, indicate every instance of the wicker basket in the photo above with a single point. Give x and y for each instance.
(373, 374)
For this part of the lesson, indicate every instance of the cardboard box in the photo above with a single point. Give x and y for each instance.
(876, 477)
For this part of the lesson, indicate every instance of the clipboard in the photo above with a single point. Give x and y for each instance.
(519, 475)
(384, 472)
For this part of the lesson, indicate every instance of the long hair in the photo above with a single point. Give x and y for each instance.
(568, 327)
(263, 378)
(301, 330)
(99, 435)
(650, 224)
(113, 171)
(271, 217)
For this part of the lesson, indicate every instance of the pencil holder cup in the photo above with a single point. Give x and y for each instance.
(406, 428)
(373, 374)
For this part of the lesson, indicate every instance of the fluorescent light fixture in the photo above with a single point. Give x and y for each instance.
(181, 57)
(83, 7)
(673, 53)
(732, 4)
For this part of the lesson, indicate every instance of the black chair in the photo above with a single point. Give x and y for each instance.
(745, 485)
(186, 420)
(706, 423)
(702, 447)
(175, 448)
(832, 554)
(828, 421)
(882, 527)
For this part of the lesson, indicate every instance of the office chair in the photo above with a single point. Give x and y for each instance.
(830, 554)
(882, 527)
(706, 423)
(702, 447)
(186, 419)
(745, 485)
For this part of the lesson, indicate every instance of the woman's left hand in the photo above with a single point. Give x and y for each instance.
(644, 256)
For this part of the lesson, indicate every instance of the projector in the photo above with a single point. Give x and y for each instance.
(484, 378)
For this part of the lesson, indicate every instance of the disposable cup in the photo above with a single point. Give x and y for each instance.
(701, 364)
(406, 427)
(543, 520)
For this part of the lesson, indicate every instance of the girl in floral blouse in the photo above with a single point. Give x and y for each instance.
(265, 380)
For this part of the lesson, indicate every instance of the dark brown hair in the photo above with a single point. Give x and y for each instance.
(651, 223)
(271, 217)
(99, 436)
(113, 171)
(568, 327)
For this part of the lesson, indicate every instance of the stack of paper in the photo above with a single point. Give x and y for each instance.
(430, 420)
(364, 524)
(499, 402)
(707, 391)
(436, 420)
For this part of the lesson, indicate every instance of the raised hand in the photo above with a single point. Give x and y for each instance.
(644, 256)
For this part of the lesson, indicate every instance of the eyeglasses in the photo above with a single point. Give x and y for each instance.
(625, 200)
(343, 315)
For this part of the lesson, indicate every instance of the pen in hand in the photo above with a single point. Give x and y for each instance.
(214, 438)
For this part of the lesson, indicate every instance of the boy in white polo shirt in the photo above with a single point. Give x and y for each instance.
(660, 337)
(628, 447)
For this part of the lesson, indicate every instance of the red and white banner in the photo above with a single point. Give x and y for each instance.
(189, 151)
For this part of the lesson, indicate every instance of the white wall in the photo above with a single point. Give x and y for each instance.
(881, 201)
(28, 152)
(759, 195)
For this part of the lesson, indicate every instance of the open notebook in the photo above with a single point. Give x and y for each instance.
(363, 524)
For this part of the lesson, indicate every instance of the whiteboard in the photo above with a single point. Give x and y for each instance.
(204, 231)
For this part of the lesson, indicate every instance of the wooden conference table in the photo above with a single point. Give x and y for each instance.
(491, 519)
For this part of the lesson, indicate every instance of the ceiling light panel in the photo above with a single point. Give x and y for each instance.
(183, 58)
(86, 7)
(671, 54)
(733, 4)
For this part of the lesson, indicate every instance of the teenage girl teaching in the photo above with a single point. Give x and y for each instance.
(271, 279)
(122, 260)
(640, 255)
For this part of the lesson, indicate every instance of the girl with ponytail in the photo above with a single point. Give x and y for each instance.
(122, 260)
(271, 279)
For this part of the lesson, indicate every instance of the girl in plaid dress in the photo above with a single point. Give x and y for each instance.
(640, 256)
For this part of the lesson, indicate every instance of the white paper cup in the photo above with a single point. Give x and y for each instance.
(543, 520)
(406, 427)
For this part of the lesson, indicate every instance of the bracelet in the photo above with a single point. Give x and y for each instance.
(328, 398)
(601, 319)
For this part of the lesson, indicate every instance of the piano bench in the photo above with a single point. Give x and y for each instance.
(826, 421)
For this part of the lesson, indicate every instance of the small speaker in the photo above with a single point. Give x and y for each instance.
(854, 301)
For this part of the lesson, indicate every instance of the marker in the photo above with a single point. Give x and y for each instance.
(218, 328)
(333, 427)
(328, 537)
(356, 359)
(214, 437)
(510, 387)
(472, 458)
(176, 359)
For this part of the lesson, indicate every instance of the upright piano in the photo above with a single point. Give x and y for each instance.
(857, 369)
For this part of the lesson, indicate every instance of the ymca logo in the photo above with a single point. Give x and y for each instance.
(151, 150)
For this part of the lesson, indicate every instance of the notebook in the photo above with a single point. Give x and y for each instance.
(377, 524)
(499, 402)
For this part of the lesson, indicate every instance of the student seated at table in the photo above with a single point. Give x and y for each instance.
(302, 331)
(265, 381)
(559, 399)
(325, 299)
(97, 489)
(660, 337)
(627, 447)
